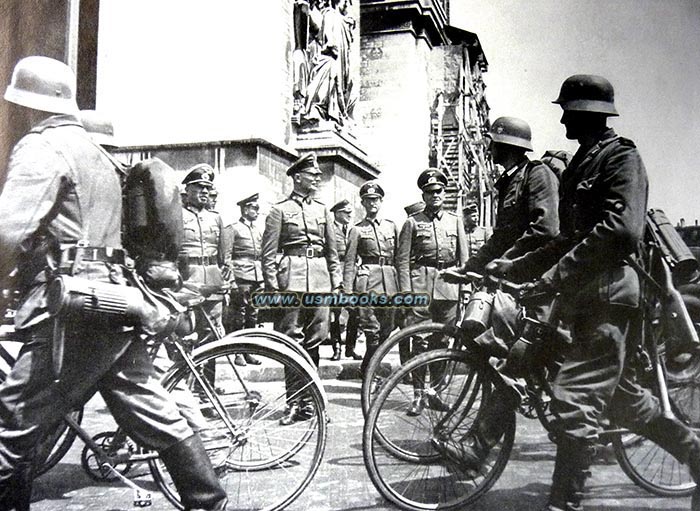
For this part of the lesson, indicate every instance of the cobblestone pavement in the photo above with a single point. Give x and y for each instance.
(342, 483)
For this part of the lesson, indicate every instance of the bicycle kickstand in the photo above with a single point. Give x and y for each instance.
(142, 498)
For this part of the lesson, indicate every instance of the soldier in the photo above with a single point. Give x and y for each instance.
(477, 234)
(342, 212)
(430, 241)
(373, 241)
(61, 211)
(602, 213)
(528, 199)
(213, 197)
(301, 228)
(246, 243)
(205, 256)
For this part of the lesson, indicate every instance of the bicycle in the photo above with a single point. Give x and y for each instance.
(421, 479)
(249, 448)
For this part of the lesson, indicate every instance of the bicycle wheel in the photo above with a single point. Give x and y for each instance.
(427, 481)
(262, 465)
(386, 360)
(57, 442)
(271, 335)
(651, 467)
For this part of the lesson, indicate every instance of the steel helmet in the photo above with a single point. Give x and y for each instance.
(100, 129)
(43, 84)
(511, 131)
(587, 93)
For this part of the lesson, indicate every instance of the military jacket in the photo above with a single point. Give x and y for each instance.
(367, 242)
(526, 216)
(205, 248)
(246, 247)
(300, 224)
(428, 240)
(477, 237)
(341, 239)
(602, 211)
(60, 190)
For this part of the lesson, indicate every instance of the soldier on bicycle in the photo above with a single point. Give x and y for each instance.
(602, 213)
(61, 208)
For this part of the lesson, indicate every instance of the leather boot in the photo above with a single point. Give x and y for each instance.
(417, 404)
(239, 360)
(193, 475)
(16, 492)
(336, 352)
(251, 359)
(372, 345)
(571, 469)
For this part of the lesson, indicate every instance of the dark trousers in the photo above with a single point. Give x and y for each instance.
(240, 312)
(95, 360)
(351, 328)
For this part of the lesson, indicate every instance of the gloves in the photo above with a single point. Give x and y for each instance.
(499, 267)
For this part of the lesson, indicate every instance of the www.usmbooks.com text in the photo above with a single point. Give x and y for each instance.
(369, 299)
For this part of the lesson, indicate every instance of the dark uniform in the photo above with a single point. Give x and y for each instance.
(370, 266)
(602, 212)
(526, 214)
(61, 209)
(246, 252)
(301, 229)
(351, 323)
(430, 241)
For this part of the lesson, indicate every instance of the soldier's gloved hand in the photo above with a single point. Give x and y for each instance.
(453, 275)
(499, 267)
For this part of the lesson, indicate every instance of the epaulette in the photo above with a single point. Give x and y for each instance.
(627, 142)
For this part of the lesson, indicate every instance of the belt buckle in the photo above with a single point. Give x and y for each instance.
(310, 252)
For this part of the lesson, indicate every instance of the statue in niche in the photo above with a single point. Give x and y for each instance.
(328, 94)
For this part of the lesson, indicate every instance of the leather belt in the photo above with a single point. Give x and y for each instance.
(309, 252)
(204, 260)
(99, 254)
(440, 265)
(381, 260)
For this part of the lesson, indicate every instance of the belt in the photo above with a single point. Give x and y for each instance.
(309, 252)
(440, 265)
(100, 254)
(381, 260)
(204, 260)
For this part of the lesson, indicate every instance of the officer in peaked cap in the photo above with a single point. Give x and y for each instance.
(414, 208)
(430, 240)
(370, 266)
(301, 229)
(205, 254)
(246, 245)
(342, 212)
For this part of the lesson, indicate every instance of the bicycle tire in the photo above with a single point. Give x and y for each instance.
(430, 482)
(272, 335)
(380, 366)
(648, 465)
(250, 463)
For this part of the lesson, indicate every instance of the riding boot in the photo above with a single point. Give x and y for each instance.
(571, 469)
(193, 475)
(336, 351)
(16, 492)
(372, 345)
(351, 330)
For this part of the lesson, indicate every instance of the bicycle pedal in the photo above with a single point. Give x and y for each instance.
(142, 498)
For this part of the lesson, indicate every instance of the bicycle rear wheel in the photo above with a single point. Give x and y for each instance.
(262, 465)
(387, 359)
(425, 480)
(651, 467)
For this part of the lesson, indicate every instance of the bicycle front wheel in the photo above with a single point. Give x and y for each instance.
(426, 480)
(394, 352)
(262, 465)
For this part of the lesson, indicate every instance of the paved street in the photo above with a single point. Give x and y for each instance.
(342, 483)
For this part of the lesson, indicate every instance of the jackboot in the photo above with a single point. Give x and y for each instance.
(417, 404)
(16, 492)
(571, 469)
(336, 352)
(372, 345)
(193, 475)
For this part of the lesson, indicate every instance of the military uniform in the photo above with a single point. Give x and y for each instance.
(61, 210)
(370, 266)
(301, 229)
(526, 215)
(477, 237)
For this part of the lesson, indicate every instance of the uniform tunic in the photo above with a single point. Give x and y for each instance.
(246, 243)
(370, 266)
(602, 211)
(301, 228)
(61, 189)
